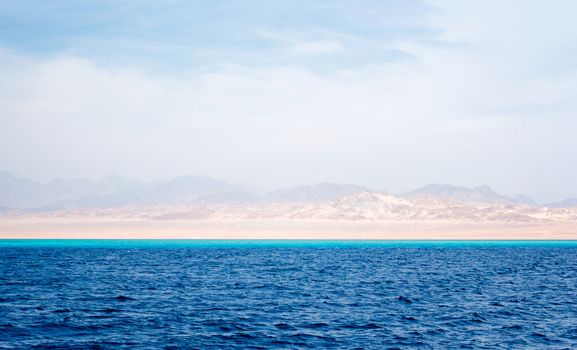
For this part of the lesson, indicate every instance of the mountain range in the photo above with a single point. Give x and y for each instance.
(117, 192)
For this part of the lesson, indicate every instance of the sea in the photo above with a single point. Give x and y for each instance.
(221, 294)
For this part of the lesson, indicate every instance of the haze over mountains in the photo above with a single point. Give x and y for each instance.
(117, 192)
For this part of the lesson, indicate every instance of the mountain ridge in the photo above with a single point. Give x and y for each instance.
(115, 191)
(480, 194)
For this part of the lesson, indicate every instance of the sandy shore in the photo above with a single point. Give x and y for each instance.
(106, 228)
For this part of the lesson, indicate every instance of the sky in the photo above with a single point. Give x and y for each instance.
(389, 94)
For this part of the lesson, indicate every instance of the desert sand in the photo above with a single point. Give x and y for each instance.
(113, 228)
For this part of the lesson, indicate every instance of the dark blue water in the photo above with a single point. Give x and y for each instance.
(260, 295)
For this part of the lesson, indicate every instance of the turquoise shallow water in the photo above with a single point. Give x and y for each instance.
(209, 243)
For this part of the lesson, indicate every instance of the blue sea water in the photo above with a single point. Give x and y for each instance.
(99, 294)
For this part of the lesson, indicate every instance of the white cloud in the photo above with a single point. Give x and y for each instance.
(320, 47)
(305, 43)
(463, 111)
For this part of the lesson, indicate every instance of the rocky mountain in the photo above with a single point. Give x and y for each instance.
(192, 189)
(19, 193)
(523, 199)
(481, 194)
(370, 205)
(114, 191)
(362, 206)
(566, 203)
(194, 197)
(375, 206)
(93, 200)
(313, 193)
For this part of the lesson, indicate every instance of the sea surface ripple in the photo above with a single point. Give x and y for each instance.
(263, 297)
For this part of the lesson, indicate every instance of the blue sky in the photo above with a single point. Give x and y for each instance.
(175, 35)
(387, 94)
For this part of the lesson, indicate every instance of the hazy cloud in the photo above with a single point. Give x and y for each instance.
(456, 104)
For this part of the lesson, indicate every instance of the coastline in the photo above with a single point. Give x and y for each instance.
(239, 229)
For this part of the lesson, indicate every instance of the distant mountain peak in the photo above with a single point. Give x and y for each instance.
(481, 194)
(115, 191)
(320, 192)
(523, 199)
(566, 203)
(190, 189)
(5, 174)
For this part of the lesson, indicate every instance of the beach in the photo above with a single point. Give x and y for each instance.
(115, 228)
